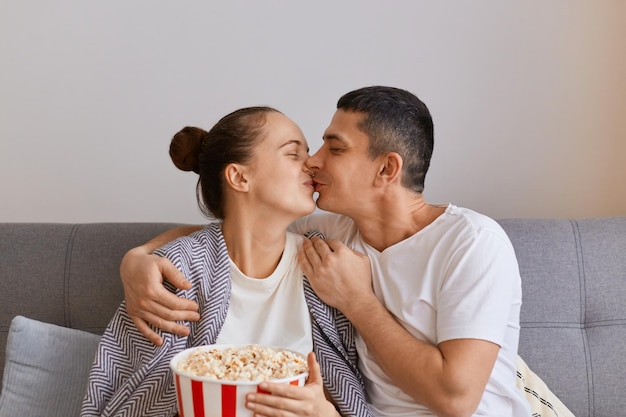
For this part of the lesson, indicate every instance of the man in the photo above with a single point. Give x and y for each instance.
(433, 292)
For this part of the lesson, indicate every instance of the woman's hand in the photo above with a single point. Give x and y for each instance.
(288, 400)
(148, 302)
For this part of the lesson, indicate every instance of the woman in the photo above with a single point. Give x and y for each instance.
(244, 274)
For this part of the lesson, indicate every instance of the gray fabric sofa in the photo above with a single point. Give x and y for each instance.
(573, 315)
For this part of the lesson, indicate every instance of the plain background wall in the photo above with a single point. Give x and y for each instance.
(528, 98)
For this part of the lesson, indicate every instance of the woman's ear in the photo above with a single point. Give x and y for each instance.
(390, 168)
(236, 177)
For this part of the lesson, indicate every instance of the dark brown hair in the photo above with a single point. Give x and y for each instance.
(395, 121)
(231, 140)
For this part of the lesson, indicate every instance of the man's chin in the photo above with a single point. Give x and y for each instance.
(322, 204)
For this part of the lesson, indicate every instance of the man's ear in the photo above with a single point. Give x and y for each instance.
(236, 177)
(390, 168)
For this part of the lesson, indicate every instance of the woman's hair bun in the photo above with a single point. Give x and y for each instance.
(185, 148)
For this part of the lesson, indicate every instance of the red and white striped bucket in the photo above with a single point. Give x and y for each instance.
(207, 397)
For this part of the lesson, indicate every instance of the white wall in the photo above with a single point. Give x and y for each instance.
(528, 98)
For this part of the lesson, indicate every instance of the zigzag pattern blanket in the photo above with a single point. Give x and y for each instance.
(131, 377)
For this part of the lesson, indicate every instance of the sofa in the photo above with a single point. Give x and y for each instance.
(61, 287)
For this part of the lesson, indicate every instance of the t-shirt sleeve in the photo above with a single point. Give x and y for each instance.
(330, 225)
(480, 290)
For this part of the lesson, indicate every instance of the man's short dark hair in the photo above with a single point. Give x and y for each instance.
(395, 121)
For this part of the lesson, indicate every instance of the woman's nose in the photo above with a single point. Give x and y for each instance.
(308, 170)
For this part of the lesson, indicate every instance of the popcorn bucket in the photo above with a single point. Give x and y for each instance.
(206, 396)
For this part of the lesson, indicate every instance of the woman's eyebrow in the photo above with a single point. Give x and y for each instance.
(292, 141)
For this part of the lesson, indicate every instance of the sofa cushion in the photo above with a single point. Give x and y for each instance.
(46, 369)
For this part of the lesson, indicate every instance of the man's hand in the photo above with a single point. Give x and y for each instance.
(289, 400)
(148, 302)
(340, 276)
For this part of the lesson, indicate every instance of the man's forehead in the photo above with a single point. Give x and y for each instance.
(344, 126)
(348, 116)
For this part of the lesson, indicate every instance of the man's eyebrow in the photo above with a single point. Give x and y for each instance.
(331, 136)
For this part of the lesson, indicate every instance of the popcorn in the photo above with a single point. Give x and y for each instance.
(248, 363)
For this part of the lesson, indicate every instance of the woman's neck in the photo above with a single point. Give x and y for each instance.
(255, 247)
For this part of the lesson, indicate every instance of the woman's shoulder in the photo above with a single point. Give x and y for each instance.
(211, 233)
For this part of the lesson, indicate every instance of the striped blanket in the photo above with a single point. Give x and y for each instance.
(131, 377)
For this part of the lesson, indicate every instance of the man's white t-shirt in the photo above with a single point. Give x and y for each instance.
(456, 278)
(270, 311)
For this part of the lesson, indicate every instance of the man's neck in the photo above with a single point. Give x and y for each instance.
(396, 218)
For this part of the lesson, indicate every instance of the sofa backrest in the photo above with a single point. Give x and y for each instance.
(65, 274)
(573, 315)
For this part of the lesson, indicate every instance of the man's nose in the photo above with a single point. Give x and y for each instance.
(313, 162)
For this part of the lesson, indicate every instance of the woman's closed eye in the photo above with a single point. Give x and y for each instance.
(298, 153)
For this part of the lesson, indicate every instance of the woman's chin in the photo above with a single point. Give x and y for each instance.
(307, 209)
